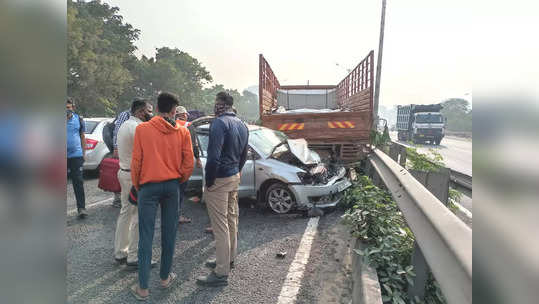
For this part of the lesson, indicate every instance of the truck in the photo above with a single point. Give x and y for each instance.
(420, 123)
(336, 119)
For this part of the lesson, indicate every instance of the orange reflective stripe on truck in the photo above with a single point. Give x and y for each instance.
(291, 126)
(341, 124)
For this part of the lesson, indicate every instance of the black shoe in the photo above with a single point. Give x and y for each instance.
(82, 212)
(212, 280)
(134, 265)
(212, 263)
(121, 261)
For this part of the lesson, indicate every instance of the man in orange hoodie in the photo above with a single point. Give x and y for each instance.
(162, 159)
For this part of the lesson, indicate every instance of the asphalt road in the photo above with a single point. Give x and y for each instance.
(94, 277)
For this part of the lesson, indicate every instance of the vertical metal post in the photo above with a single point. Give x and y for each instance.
(402, 160)
(394, 150)
(379, 65)
(260, 85)
(421, 270)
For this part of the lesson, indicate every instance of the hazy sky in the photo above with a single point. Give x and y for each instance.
(426, 54)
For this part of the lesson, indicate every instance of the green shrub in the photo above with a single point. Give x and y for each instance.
(424, 162)
(374, 217)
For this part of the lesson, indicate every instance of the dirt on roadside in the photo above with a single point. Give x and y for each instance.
(328, 276)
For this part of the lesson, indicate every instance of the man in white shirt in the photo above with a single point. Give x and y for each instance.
(127, 231)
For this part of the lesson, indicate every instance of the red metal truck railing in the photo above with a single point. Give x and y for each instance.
(268, 85)
(355, 91)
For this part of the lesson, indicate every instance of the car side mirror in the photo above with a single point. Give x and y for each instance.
(251, 154)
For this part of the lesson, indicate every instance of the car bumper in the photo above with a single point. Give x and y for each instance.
(323, 196)
(90, 165)
(94, 157)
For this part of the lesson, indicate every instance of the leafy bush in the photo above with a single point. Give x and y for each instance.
(424, 162)
(375, 218)
(378, 139)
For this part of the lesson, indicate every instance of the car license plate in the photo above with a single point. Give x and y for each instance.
(421, 135)
(343, 186)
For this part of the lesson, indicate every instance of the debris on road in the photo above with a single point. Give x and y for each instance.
(281, 255)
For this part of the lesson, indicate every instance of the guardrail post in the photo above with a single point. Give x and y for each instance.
(394, 151)
(436, 182)
(403, 153)
(421, 270)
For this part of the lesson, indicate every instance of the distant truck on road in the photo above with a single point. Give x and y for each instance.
(421, 123)
(334, 118)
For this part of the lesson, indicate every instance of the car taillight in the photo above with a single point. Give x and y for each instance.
(91, 144)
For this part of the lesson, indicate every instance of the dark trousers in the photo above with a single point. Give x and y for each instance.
(183, 187)
(74, 172)
(151, 195)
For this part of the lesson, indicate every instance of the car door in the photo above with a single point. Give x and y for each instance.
(196, 181)
(247, 184)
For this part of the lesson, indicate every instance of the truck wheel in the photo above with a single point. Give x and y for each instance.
(279, 198)
(438, 141)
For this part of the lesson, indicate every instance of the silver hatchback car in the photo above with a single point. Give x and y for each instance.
(282, 174)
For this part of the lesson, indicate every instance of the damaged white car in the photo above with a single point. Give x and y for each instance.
(282, 174)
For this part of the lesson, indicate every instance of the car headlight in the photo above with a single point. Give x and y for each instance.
(305, 177)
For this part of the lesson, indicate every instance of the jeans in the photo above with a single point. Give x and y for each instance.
(167, 194)
(74, 172)
(183, 187)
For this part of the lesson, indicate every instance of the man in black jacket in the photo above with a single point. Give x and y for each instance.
(227, 153)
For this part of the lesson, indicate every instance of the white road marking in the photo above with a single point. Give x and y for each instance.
(464, 210)
(292, 282)
(73, 211)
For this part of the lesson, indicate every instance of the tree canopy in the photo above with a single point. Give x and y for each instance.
(458, 114)
(104, 75)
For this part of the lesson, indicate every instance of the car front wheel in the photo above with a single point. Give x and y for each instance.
(279, 198)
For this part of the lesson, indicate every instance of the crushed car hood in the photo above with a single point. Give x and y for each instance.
(301, 150)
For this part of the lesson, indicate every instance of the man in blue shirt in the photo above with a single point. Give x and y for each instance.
(75, 143)
(227, 153)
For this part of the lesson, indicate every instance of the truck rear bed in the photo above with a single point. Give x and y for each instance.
(343, 131)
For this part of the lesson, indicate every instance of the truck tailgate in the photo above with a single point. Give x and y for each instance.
(323, 127)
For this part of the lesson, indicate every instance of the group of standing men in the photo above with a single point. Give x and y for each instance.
(156, 159)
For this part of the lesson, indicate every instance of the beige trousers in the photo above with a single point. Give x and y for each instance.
(222, 203)
(126, 237)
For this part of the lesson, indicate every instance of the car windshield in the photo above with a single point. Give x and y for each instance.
(89, 126)
(428, 118)
(265, 140)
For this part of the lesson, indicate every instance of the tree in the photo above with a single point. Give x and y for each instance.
(247, 107)
(171, 70)
(458, 114)
(99, 44)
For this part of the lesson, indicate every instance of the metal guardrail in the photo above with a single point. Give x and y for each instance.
(443, 239)
(461, 182)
